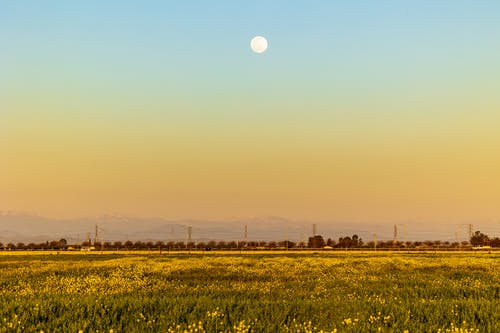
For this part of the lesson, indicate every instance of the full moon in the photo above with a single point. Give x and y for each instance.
(258, 44)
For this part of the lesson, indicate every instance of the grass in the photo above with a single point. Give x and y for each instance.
(250, 292)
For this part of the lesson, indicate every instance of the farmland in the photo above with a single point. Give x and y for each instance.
(254, 292)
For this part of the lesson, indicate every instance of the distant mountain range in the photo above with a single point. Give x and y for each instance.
(22, 227)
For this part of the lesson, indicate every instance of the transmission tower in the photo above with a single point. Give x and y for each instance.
(96, 235)
(395, 239)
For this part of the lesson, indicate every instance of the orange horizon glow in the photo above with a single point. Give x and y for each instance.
(390, 120)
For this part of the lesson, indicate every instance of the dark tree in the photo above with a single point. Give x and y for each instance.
(370, 244)
(479, 239)
(398, 244)
(286, 244)
(356, 241)
(316, 242)
(180, 245)
(330, 242)
(345, 242)
(63, 243)
(428, 243)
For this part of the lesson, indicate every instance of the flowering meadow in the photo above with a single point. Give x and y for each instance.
(250, 292)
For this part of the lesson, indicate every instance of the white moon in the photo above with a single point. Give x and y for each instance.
(258, 44)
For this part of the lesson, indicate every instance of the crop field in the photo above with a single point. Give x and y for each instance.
(268, 292)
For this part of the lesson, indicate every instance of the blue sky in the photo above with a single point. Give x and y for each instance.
(364, 101)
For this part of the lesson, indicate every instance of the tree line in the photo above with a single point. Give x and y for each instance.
(476, 240)
(315, 242)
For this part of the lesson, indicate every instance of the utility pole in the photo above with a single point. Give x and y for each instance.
(102, 239)
(286, 244)
(468, 230)
(404, 238)
(395, 240)
(95, 236)
(314, 229)
(190, 231)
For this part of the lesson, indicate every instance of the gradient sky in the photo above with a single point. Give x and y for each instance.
(359, 110)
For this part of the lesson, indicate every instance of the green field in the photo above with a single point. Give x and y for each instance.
(271, 292)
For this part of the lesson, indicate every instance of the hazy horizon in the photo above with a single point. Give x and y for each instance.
(358, 111)
(24, 227)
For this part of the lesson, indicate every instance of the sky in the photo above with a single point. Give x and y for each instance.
(358, 111)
